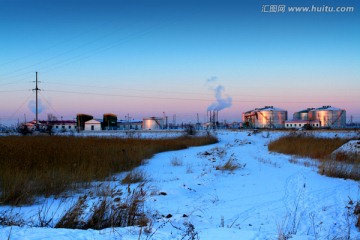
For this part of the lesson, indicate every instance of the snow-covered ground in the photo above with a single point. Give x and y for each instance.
(352, 146)
(266, 196)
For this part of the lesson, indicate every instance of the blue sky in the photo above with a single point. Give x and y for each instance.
(144, 58)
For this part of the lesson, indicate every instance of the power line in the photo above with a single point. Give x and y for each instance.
(185, 99)
(86, 54)
(19, 75)
(91, 53)
(56, 44)
(48, 103)
(10, 91)
(22, 104)
(178, 92)
(130, 89)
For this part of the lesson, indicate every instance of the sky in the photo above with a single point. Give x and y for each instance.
(176, 57)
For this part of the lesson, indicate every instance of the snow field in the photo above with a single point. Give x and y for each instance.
(265, 197)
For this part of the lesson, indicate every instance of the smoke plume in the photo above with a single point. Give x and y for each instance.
(221, 102)
(32, 106)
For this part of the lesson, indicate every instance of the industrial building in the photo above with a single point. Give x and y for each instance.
(92, 125)
(267, 117)
(129, 125)
(59, 125)
(298, 124)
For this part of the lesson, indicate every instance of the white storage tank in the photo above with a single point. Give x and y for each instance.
(329, 116)
(153, 123)
(302, 115)
(267, 117)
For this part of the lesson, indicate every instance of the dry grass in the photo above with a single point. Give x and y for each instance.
(72, 218)
(48, 165)
(357, 214)
(343, 165)
(112, 210)
(304, 162)
(352, 158)
(176, 162)
(134, 176)
(230, 165)
(10, 218)
(312, 147)
(333, 168)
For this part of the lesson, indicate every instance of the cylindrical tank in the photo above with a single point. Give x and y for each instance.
(267, 117)
(109, 121)
(247, 119)
(153, 123)
(329, 116)
(270, 117)
(302, 115)
(81, 119)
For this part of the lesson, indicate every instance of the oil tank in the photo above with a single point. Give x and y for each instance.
(270, 117)
(109, 121)
(153, 123)
(303, 114)
(267, 117)
(81, 119)
(328, 116)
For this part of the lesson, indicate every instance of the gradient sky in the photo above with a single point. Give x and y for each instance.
(146, 57)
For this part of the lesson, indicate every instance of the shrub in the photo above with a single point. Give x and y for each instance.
(9, 218)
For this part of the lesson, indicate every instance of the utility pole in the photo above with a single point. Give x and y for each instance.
(163, 120)
(197, 122)
(36, 89)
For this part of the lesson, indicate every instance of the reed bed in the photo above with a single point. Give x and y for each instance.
(49, 165)
(312, 147)
(341, 165)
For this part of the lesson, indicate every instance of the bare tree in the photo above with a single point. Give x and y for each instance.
(51, 117)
